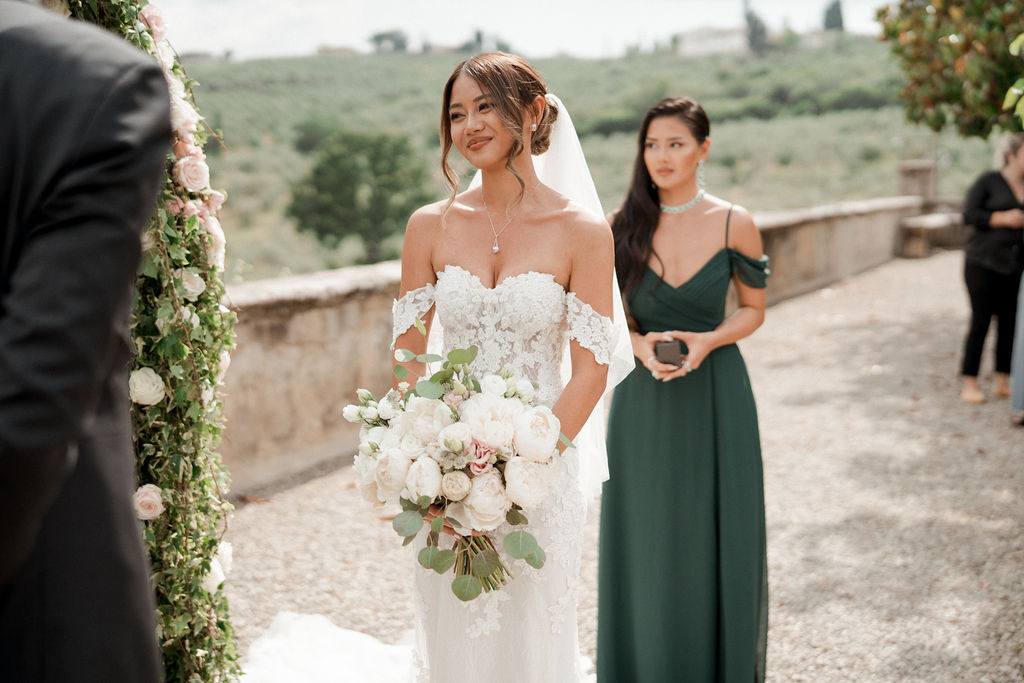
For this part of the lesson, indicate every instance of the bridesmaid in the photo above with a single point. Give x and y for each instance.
(683, 579)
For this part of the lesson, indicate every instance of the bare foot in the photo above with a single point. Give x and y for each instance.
(971, 393)
(1001, 386)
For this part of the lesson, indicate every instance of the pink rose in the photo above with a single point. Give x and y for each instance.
(452, 399)
(191, 208)
(484, 455)
(153, 18)
(175, 206)
(184, 149)
(215, 200)
(192, 173)
(148, 502)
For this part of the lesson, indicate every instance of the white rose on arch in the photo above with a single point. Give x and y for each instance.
(148, 502)
(536, 434)
(145, 387)
(193, 284)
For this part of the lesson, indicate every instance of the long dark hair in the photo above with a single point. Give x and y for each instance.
(513, 83)
(635, 221)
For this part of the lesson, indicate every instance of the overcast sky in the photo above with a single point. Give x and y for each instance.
(533, 28)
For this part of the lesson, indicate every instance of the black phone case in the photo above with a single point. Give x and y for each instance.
(669, 352)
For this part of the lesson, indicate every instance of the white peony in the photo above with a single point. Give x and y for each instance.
(492, 418)
(527, 482)
(536, 433)
(423, 479)
(455, 485)
(456, 437)
(392, 469)
(145, 387)
(424, 418)
(193, 284)
(487, 502)
(493, 384)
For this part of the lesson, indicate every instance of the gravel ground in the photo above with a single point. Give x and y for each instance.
(894, 511)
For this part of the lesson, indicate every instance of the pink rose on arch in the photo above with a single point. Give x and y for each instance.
(215, 200)
(192, 173)
(184, 117)
(175, 206)
(190, 208)
(184, 149)
(148, 501)
(153, 18)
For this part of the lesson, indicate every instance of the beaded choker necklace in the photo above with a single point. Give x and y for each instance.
(665, 208)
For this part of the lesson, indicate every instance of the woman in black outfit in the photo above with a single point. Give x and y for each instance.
(994, 262)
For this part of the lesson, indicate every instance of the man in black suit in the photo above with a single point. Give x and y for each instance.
(84, 132)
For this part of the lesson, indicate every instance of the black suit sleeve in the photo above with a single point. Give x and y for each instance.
(70, 293)
(975, 213)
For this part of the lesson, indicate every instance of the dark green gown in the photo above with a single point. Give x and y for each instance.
(683, 577)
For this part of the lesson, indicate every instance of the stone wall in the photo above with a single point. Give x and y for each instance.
(305, 343)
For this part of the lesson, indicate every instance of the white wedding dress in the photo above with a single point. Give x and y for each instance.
(526, 632)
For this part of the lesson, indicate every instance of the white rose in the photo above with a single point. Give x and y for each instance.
(368, 413)
(455, 485)
(192, 173)
(424, 418)
(145, 387)
(184, 117)
(226, 555)
(165, 54)
(193, 284)
(148, 501)
(525, 389)
(423, 479)
(492, 418)
(351, 413)
(493, 384)
(148, 240)
(174, 84)
(153, 18)
(375, 434)
(215, 577)
(527, 482)
(386, 410)
(536, 433)
(216, 248)
(392, 469)
(487, 502)
(459, 433)
(207, 394)
(224, 362)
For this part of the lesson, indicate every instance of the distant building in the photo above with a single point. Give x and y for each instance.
(710, 41)
(331, 50)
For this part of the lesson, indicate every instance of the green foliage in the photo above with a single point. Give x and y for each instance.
(364, 184)
(757, 34)
(956, 61)
(311, 133)
(181, 333)
(1014, 99)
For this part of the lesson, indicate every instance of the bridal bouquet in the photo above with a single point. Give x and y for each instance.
(460, 452)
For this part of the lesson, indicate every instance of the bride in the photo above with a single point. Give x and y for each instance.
(524, 272)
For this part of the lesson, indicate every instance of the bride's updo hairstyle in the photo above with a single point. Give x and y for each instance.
(513, 84)
(634, 223)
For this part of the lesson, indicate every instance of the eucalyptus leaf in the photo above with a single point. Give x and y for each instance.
(400, 372)
(423, 502)
(409, 539)
(408, 504)
(514, 517)
(420, 326)
(460, 356)
(404, 355)
(467, 587)
(519, 544)
(564, 439)
(427, 556)
(428, 389)
(407, 523)
(437, 524)
(483, 564)
(443, 561)
(536, 558)
(428, 358)
(442, 375)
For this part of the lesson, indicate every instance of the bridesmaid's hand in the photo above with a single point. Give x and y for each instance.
(643, 348)
(698, 346)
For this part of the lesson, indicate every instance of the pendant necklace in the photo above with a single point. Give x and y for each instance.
(495, 248)
(665, 208)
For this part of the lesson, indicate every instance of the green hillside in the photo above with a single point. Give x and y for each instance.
(799, 128)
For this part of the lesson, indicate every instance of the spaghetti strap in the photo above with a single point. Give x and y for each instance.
(727, 217)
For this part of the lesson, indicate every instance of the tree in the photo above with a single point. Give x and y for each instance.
(363, 184)
(956, 61)
(757, 34)
(834, 17)
(390, 41)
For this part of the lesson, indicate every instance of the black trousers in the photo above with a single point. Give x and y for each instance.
(991, 294)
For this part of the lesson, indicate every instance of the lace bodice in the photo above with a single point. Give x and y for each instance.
(522, 322)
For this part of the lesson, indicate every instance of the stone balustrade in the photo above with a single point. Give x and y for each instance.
(305, 343)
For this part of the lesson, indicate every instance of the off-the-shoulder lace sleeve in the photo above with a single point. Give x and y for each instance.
(592, 330)
(753, 272)
(412, 305)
